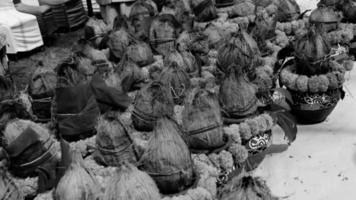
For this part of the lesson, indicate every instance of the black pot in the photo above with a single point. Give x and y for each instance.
(310, 108)
(224, 3)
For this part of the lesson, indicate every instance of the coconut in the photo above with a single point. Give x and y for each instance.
(77, 182)
(309, 52)
(8, 189)
(325, 18)
(202, 120)
(113, 144)
(242, 9)
(288, 10)
(240, 50)
(95, 30)
(237, 95)
(246, 187)
(348, 9)
(153, 101)
(204, 10)
(167, 159)
(140, 53)
(185, 60)
(130, 74)
(163, 33)
(177, 80)
(129, 183)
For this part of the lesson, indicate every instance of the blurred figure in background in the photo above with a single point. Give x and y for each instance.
(3, 57)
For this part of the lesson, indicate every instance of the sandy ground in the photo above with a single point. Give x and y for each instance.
(321, 163)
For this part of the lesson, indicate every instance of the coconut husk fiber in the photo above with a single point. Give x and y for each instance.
(43, 82)
(140, 18)
(77, 181)
(202, 121)
(152, 102)
(177, 80)
(129, 183)
(167, 158)
(204, 10)
(113, 144)
(185, 60)
(140, 53)
(237, 95)
(8, 189)
(240, 50)
(310, 50)
(246, 188)
(163, 33)
(132, 77)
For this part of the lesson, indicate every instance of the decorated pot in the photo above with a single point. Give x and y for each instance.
(312, 108)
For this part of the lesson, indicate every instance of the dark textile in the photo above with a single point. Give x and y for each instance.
(76, 112)
(108, 97)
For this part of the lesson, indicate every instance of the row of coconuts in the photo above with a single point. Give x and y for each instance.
(170, 105)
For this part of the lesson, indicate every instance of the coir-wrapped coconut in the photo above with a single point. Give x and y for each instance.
(140, 53)
(118, 43)
(163, 33)
(177, 80)
(167, 159)
(32, 151)
(202, 120)
(140, 18)
(185, 60)
(42, 88)
(241, 50)
(113, 144)
(8, 189)
(310, 51)
(130, 74)
(77, 182)
(204, 10)
(237, 94)
(129, 183)
(152, 102)
(325, 18)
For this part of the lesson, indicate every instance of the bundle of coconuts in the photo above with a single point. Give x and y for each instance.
(167, 159)
(153, 101)
(113, 143)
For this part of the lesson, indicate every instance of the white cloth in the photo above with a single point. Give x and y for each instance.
(22, 30)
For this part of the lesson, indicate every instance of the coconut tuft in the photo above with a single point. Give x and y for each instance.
(77, 182)
(167, 159)
(129, 183)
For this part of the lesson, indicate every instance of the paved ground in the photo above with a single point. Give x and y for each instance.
(321, 163)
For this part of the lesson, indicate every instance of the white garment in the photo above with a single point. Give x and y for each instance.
(22, 30)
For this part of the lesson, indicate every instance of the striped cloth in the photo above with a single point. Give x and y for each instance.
(96, 7)
(22, 30)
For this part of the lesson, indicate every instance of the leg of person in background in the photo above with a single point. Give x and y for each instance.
(3, 61)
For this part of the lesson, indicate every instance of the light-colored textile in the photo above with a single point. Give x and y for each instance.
(22, 30)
